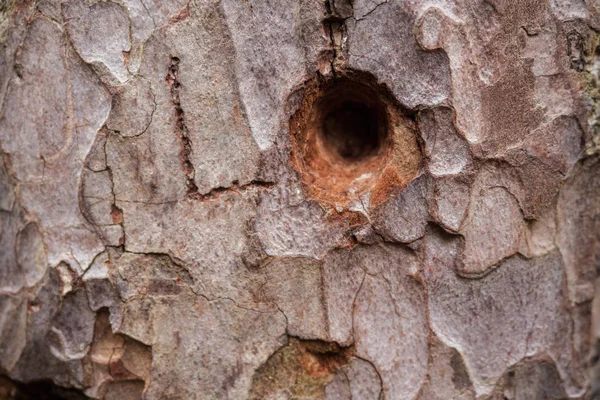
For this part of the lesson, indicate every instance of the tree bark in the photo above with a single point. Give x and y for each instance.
(309, 199)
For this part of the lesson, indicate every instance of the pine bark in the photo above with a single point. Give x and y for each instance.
(313, 199)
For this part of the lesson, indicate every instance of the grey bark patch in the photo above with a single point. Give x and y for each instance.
(13, 325)
(135, 95)
(100, 34)
(72, 328)
(31, 254)
(295, 285)
(536, 284)
(445, 148)
(403, 218)
(382, 47)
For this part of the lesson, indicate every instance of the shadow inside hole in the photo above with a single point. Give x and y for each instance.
(351, 125)
(351, 129)
(39, 390)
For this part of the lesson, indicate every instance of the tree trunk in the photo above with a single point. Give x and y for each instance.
(303, 199)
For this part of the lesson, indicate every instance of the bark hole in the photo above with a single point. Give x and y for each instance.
(349, 124)
(346, 133)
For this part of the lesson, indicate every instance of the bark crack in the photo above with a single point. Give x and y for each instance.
(181, 129)
(151, 113)
(371, 11)
(381, 391)
(215, 193)
(353, 309)
(148, 12)
(335, 26)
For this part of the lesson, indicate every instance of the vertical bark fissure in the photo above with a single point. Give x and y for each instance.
(181, 129)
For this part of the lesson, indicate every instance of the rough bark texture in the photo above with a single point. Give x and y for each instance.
(299, 199)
